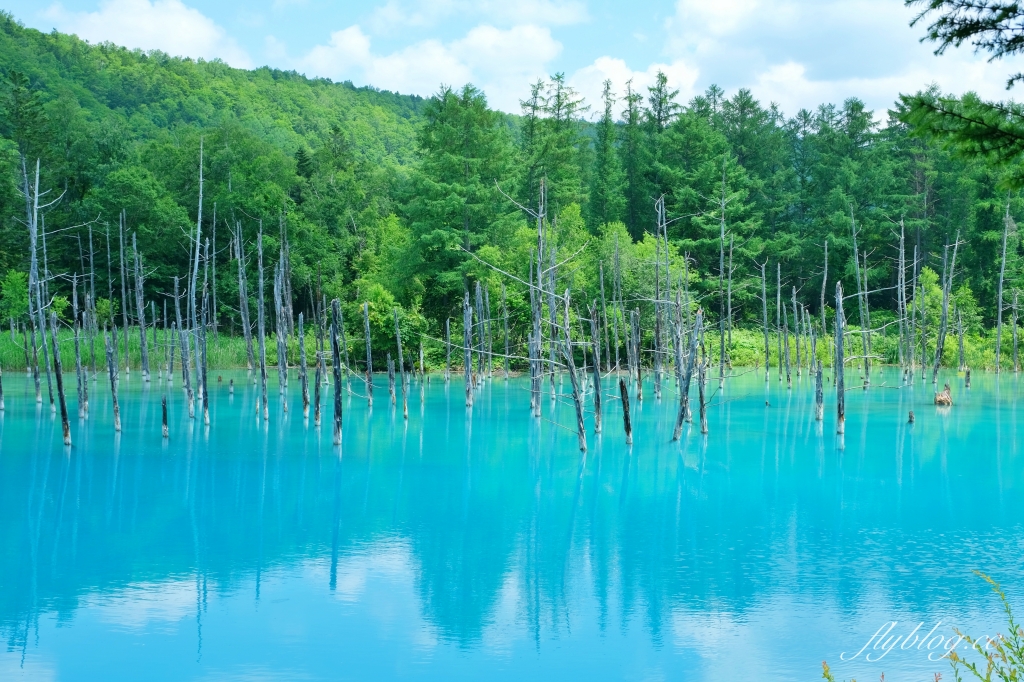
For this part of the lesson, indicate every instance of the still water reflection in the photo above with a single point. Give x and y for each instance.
(483, 545)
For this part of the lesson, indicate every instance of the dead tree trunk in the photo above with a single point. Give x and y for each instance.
(552, 319)
(58, 372)
(778, 315)
(947, 286)
(728, 316)
(867, 321)
(687, 376)
(595, 335)
(824, 283)
(336, 352)
(318, 376)
(839, 364)
(616, 296)
(168, 346)
(536, 298)
(488, 334)
(819, 392)
(637, 339)
(152, 320)
(479, 334)
(785, 347)
(112, 373)
(344, 349)
(213, 268)
(369, 354)
(193, 285)
(243, 299)
(303, 375)
(812, 362)
(901, 302)
(261, 329)
(79, 376)
(912, 319)
(401, 368)
(467, 356)
(574, 380)
(702, 382)
(140, 306)
(721, 288)
(391, 380)
(796, 332)
(626, 424)
(185, 364)
(205, 395)
(1007, 222)
(1016, 355)
(604, 317)
(83, 382)
(35, 362)
(124, 291)
(656, 360)
(504, 310)
(960, 335)
(764, 312)
(861, 300)
(447, 350)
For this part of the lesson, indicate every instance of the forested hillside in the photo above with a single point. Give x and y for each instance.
(401, 201)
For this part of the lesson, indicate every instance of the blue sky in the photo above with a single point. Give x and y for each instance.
(797, 53)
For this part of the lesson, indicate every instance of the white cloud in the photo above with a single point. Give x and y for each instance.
(505, 62)
(502, 62)
(589, 80)
(419, 68)
(789, 85)
(396, 14)
(166, 25)
(801, 53)
(719, 17)
(346, 51)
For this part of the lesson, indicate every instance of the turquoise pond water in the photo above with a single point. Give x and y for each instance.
(482, 546)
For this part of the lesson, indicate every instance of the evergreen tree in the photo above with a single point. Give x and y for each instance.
(553, 144)
(662, 107)
(455, 204)
(606, 199)
(636, 165)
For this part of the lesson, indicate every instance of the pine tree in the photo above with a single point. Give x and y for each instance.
(606, 199)
(456, 204)
(636, 163)
(553, 144)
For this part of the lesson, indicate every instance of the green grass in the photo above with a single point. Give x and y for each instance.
(745, 350)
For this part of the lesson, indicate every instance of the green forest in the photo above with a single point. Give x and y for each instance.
(407, 203)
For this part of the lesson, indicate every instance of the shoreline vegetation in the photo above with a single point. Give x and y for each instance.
(746, 351)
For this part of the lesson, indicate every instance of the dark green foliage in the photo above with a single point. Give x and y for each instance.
(455, 205)
(993, 26)
(990, 131)
(403, 202)
(606, 199)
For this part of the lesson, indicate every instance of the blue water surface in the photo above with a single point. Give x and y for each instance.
(483, 545)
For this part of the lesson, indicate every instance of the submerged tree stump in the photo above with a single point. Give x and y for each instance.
(626, 423)
(944, 397)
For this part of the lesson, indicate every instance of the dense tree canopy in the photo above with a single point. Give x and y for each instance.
(407, 202)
